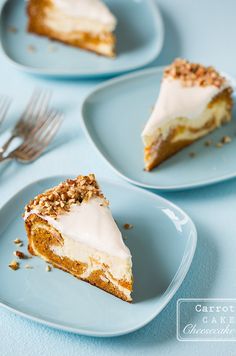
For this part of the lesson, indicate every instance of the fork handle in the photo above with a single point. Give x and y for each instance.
(6, 145)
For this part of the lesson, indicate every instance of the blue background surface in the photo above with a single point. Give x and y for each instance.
(200, 30)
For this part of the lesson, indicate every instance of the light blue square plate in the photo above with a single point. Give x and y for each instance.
(139, 34)
(113, 117)
(162, 244)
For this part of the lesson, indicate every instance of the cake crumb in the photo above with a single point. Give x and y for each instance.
(125, 238)
(52, 48)
(48, 268)
(29, 267)
(208, 143)
(226, 139)
(14, 265)
(18, 242)
(219, 144)
(31, 48)
(192, 154)
(128, 226)
(12, 29)
(20, 255)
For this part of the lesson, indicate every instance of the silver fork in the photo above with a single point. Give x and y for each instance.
(40, 137)
(36, 108)
(4, 106)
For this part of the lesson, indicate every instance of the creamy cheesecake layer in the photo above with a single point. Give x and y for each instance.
(181, 105)
(89, 230)
(90, 16)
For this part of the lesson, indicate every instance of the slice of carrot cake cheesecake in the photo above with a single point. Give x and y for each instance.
(193, 101)
(87, 24)
(71, 226)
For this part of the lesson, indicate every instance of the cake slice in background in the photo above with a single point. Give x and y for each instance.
(71, 226)
(87, 24)
(193, 101)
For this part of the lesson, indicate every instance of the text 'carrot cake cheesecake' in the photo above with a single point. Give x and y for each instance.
(87, 24)
(71, 226)
(193, 101)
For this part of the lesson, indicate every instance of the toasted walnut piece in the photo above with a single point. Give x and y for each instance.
(226, 139)
(208, 143)
(128, 226)
(12, 29)
(31, 48)
(59, 199)
(29, 267)
(48, 268)
(20, 255)
(14, 265)
(17, 241)
(191, 74)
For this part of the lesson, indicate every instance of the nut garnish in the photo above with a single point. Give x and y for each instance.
(48, 268)
(31, 48)
(208, 143)
(226, 139)
(193, 74)
(17, 241)
(20, 255)
(29, 267)
(12, 29)
(128, 226)
(219, 144)
(52, 48)
(59, 199)
(14, 265)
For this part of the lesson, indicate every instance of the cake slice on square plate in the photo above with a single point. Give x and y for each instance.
(193, 101)
(71, 226)
(87, 24)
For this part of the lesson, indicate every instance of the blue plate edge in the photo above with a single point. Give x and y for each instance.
(159, 24)
(182, 269)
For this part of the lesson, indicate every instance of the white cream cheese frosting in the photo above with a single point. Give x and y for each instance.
(90, 223)
(178, 101)
(85, 15)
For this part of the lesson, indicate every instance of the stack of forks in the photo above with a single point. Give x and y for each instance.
(35, 128)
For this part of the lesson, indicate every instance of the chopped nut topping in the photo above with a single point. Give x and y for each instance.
(208, 143)
(29, 267)
(17, 241)
(48, 268)
(31, 48)
(193, 74)
(14, 265)
(219, 144)
(192, 154)
(12, 29)
(226, 139)
(52, 48)
(128, 226)
(20, 255)
(59, 199)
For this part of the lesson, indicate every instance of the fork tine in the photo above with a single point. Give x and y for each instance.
(34, 146)
(4, 106)
(40, 126)
(44, 134)
(36, 106)
(43, 144)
